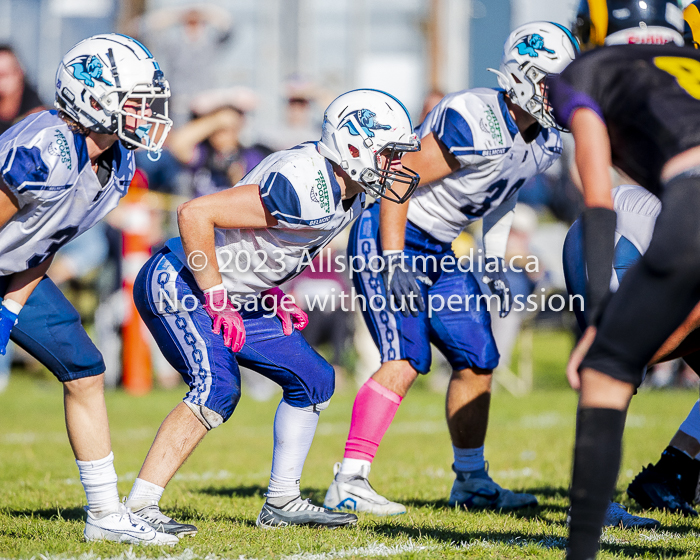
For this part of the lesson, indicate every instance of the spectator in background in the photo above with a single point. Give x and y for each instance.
(189, 42)
(209, 145)
(299, 125)
(17, 97)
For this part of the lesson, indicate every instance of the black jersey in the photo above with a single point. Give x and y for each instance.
(648, 97)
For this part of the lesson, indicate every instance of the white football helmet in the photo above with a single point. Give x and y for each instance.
(357, 127)
(531, 53)
(101, 75)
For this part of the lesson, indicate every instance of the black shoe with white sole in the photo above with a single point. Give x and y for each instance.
(152, 515)
(302, 512)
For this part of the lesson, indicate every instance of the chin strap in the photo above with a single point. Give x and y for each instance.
(155, 156)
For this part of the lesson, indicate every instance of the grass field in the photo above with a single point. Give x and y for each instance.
(220, 489)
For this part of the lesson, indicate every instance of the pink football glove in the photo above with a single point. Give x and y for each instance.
(295, 317)
(222, 313)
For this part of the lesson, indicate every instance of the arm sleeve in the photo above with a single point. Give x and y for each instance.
(496, 228)
(599, 247)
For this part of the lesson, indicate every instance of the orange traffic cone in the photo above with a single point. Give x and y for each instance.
(137, 375)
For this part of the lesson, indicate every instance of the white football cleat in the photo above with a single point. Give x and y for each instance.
(354, 492)
(125, 527)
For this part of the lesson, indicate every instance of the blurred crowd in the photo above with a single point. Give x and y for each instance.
(211, 147)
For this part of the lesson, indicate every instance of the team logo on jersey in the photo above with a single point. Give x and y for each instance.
(319, 193)
(490, 125)
(531, 44)
(367, 121)
(60, 148)
(87, 69)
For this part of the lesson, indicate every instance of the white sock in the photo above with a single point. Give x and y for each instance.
(351, 466)
(144, 493)
(293, 432)
(467, 460)
(100, 482)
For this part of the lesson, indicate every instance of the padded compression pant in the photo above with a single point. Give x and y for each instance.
(658, 293)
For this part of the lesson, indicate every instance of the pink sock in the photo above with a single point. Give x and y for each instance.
(372, 413)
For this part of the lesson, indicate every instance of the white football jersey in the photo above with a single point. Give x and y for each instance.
(48, 170)
(300, 190)
(495, 161)
(637, 210)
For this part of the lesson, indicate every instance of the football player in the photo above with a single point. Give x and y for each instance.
(479, 147)
(63, 171)
(243, 243)
(634, 104)
(670, 483)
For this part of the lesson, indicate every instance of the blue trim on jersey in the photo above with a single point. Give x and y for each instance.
(335, 186)
(569, 35)
(626, 254)
(26, 167)
(510, 123)
(81, 150)
(456, 132)
(280, 198)
(473, 152)
(117, 156)
(44, 187)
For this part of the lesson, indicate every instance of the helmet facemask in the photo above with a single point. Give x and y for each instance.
(380, 181)
(538, 105)
(142, 117)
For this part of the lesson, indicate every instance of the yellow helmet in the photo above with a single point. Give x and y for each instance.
(692, 24)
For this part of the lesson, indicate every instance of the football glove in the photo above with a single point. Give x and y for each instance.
(224, 316)
(8, 319)
(497, 281)
(401, 284)
(294, 318)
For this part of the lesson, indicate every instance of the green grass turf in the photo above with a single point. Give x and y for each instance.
(220, 489)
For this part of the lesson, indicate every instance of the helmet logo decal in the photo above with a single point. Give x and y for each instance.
(87, 69)
(367, 122)
(531, 44)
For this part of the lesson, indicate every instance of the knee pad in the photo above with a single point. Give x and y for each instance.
(315, 407)
(209, 418)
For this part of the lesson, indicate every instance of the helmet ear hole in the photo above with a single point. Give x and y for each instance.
(354, 152)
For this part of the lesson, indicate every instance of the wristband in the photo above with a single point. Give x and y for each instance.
(12, 306)
(217, 288)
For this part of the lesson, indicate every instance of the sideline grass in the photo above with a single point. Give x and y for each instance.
(220, 489)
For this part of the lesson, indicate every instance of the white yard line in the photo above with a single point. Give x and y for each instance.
(373, 550)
